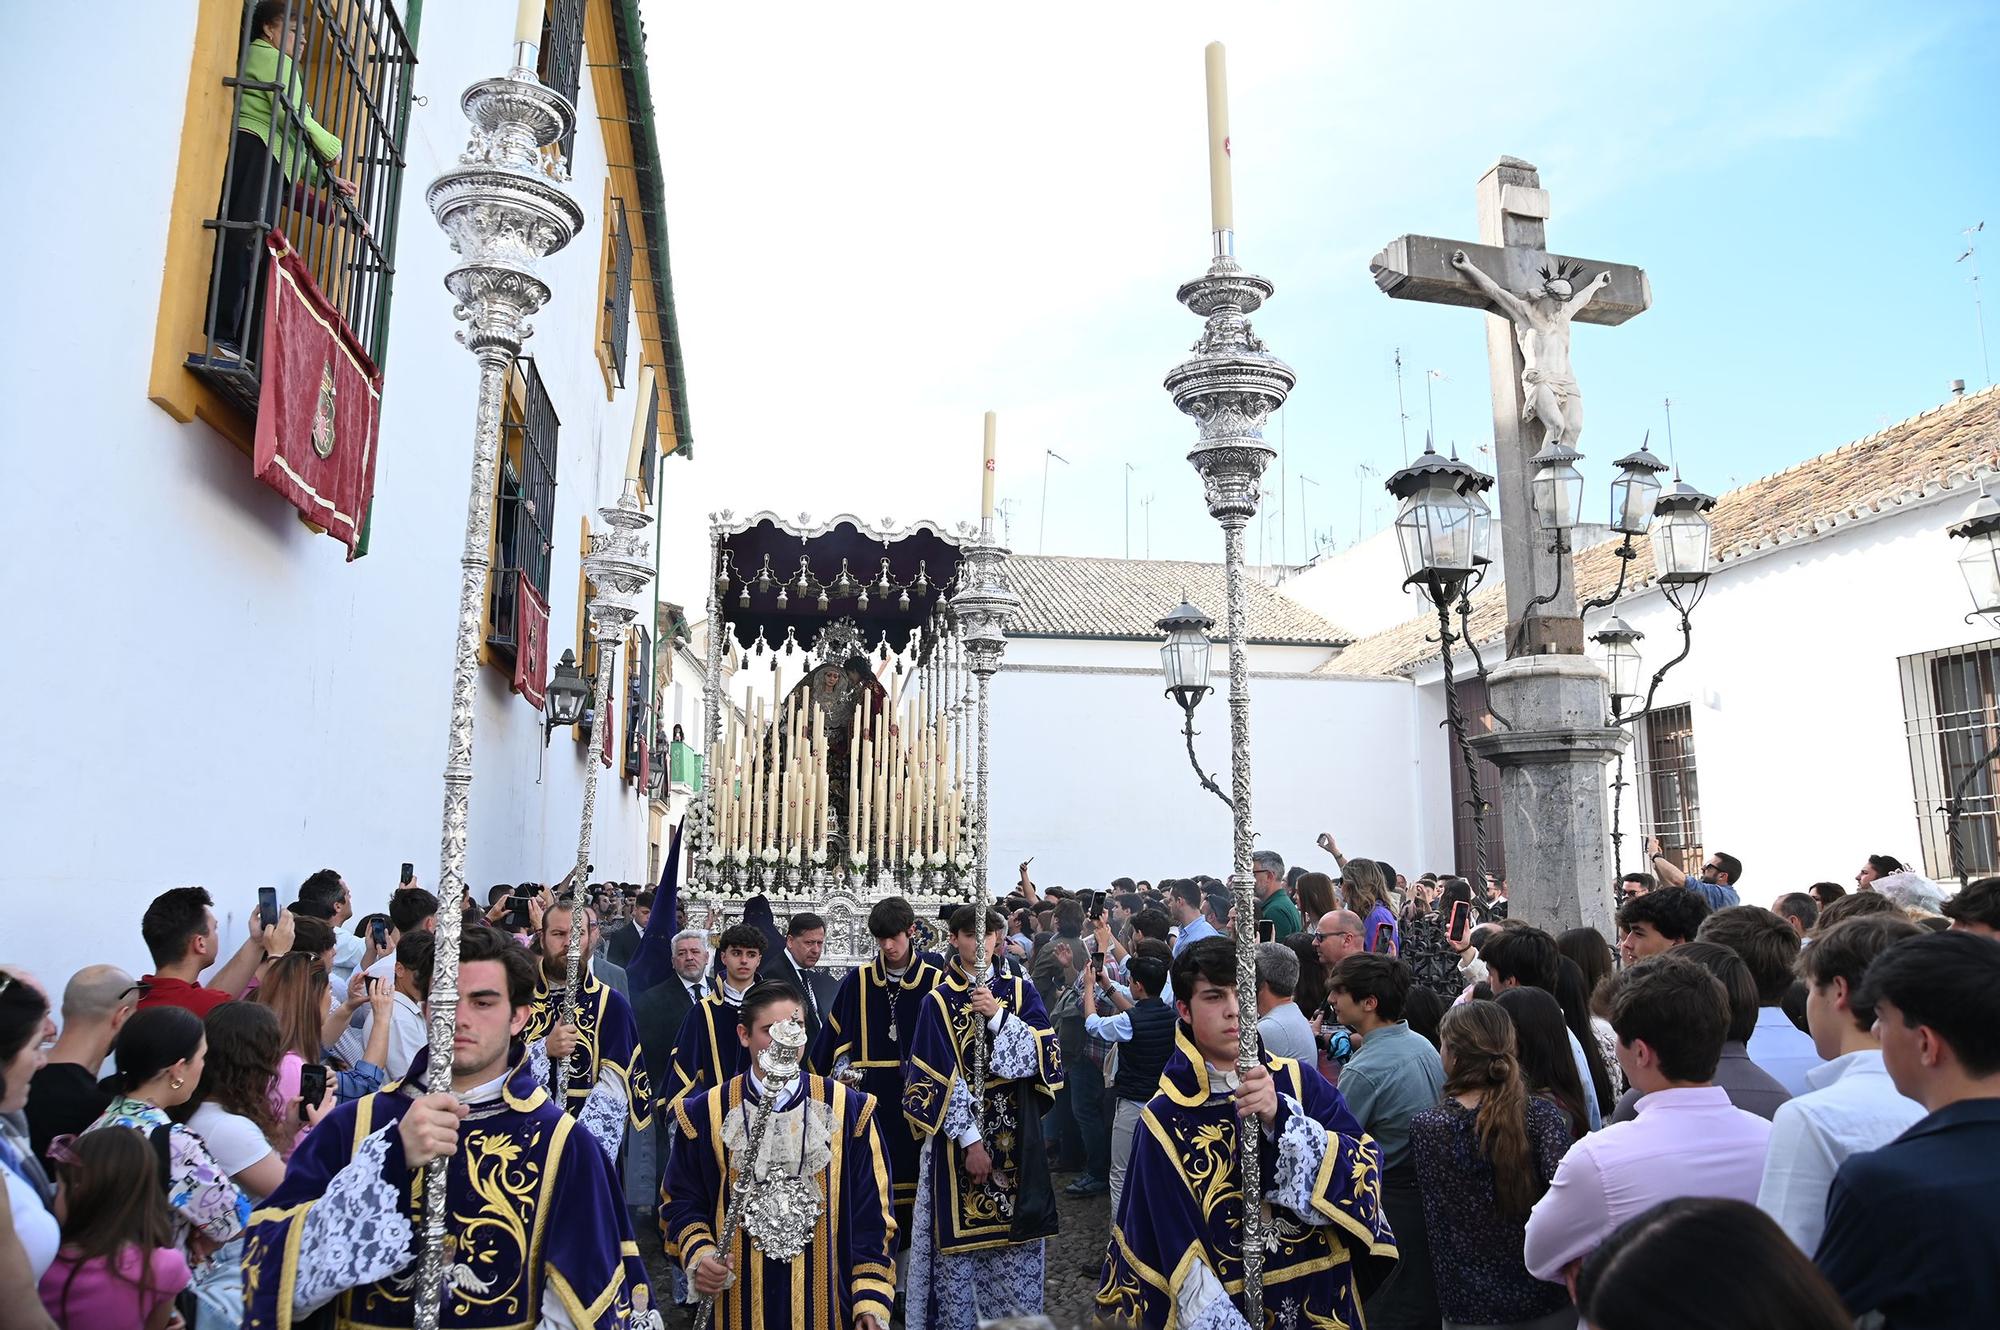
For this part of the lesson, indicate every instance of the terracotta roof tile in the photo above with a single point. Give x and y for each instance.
(1944, 449)
(1064, 596)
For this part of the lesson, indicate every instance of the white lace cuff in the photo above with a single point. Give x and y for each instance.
(538, 1062)
(961, 1124)
(1202, 1303)
(603, 1114)
(1014, 1051)
(355, 1233)
(1302, 1147)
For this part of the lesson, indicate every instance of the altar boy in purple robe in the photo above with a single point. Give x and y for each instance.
(984, 1202)
(1176, 1255)
(537, 1233)
(815, 1248)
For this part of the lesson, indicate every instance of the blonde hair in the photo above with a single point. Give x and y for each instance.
(295, 988)
(1365, 886)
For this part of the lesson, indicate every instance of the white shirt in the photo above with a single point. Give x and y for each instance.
(1853, 1106)
(36, 1228)
(407, 1035)
(233, 1139)
(1783, 1049)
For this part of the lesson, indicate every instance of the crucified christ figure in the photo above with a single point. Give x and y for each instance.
(1541, 322)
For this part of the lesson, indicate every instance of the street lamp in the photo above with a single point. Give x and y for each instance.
(1635, 490)
(1184, 661)
(1980, 564)
(1558, 486)
(1681, 536)
(1621, 666)
(1444, 530)
(567, 695)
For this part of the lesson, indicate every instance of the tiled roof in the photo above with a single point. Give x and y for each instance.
(1063, 596)
(1943, 449)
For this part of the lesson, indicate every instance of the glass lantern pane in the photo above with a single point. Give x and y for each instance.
(1680, 545)
(1624, 670)
(1633, 495)
(1981, 568)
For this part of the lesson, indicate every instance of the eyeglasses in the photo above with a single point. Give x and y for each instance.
(1315, 935)
(142, 988)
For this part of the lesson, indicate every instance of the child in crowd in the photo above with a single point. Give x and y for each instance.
(118, 1264)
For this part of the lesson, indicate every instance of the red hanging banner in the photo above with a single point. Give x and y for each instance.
(531, 642)
(318, 405)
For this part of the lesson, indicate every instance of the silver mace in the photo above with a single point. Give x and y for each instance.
(780, 1063)
(982, 610)
(503, 209)
(619, 567)
(1230, 386)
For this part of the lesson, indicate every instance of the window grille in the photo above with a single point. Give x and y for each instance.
(618, 291)
(347, 75)
(560, 64)
(1670, 803)
(1478, 720)
(649, 456)
(1951, 724)
(527, 501)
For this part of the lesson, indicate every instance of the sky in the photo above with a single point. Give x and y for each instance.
(886, 219)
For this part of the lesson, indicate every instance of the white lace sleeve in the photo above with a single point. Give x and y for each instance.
(840, 1065)
(960, 1123)
(603, 1114)
(538, 1062)
(1014, 1051)
(1202, 1303)
(355, 1233)
(1302, 1147)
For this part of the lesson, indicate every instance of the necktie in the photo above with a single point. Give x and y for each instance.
(805, 982)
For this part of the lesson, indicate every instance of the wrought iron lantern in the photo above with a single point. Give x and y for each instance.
(1184, 654)
(1681, 535)
(1444, 526)
(1635, 492)
(1558, 486)
(1980, 564)
(1621, 662)
(568, 695)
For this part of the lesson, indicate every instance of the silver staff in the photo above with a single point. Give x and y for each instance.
(503, 209)
(982, 609)
(619, 567)
(780, 1066)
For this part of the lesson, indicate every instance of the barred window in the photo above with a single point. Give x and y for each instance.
(617, 288)
(560, 64)
(1951, 724)
(649, 456)
(1669, 795)
(320, 114)
(526, 504)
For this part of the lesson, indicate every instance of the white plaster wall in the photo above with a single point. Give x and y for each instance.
(1795, 695)
(225, 702)
(1090, 774)
(1146, 655)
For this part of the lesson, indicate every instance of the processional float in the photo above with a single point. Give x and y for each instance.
(845, 718)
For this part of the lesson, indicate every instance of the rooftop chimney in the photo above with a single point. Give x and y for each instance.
(1957, 389)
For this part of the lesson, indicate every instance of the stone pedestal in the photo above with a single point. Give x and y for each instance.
(1552, 803)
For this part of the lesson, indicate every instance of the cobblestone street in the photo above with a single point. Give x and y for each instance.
(1074, 1258)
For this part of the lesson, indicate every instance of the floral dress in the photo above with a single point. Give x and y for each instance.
(203, 1198)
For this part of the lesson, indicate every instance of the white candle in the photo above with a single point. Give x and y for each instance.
(640, 415)
(1221, 196)
(528, 23)
(853, 766)
(986, 473)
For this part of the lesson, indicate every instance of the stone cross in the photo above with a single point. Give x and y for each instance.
(1533, 296)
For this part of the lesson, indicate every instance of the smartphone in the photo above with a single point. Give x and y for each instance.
(312, 1087)
(1267, 930)
(409, 871)
(518, 917)
(1096, 904)
(267, 906)
(368, 984)
(1097, 964)
(379, 931)
(1385, 941)
(1461, 915)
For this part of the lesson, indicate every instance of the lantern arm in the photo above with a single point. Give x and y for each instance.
(1686, 609)
(1207, 781)
(1501, 718)
(1560, 549)
(1626, 553)
(1455, 719)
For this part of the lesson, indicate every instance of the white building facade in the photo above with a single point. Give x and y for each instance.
(229, 702)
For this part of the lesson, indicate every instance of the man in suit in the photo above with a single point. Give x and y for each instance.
(797, 963)
(622, 941)
(660, 1010)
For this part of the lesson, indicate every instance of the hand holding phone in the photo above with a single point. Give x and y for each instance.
(1267, 930)
(267, 907)
(312, 1086)
(1461, 915)
(378, 930)
(409, 874)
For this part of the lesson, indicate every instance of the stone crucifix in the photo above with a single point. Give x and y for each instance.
(1534, 297)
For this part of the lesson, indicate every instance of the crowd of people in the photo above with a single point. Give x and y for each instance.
(1463, 1120)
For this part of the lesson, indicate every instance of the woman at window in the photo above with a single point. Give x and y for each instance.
(279, 147)
(1483, 1157)
(159, 1055)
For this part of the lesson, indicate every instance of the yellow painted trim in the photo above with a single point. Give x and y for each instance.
(600, 37)
(513, 411)
(207, 122)
(604, 260)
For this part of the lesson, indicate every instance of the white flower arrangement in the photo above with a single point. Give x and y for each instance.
(770, 856)
(740, 855)
(859, 863)
(937, 859)
(792, 857)
(715, 856)
(963, 863)
(819, 857)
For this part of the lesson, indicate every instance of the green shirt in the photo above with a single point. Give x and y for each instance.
(265, 63)
(1279, 909)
